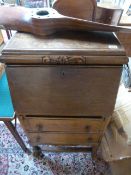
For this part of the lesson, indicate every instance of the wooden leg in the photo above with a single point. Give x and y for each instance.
(14, 132)
(37, 152)
(94, 152)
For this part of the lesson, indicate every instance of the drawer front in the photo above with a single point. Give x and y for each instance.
(64, 90)
(63, 138)
(38, 124)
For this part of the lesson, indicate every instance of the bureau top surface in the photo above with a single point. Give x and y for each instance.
(65, 48)
(88, 43)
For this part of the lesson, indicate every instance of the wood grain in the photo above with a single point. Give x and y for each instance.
(63, 90)
(63, 139)
(83, 9)
(51, 124)
(48, 21)
(64, 86)
(63, 60)
(93, 45)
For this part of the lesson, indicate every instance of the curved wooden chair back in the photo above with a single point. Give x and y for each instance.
(83, 9)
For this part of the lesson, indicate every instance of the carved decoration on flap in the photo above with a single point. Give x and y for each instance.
(63, 59)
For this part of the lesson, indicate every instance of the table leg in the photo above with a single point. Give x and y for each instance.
(14, 132)
(8, 34)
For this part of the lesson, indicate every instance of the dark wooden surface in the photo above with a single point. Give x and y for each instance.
(92, 44)
(64, 90)
(63, 124)
(63, 59)
(63, 138)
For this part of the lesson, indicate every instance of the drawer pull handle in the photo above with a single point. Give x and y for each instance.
(37, 138)
(90, 139)
(39, 127)
(88, 128)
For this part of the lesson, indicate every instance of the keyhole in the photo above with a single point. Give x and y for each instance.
(62, 73)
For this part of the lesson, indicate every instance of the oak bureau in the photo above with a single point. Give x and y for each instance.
(64, 86)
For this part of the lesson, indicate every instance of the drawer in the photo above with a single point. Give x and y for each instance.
(77, 125)
(63, 90)
(63, 138)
